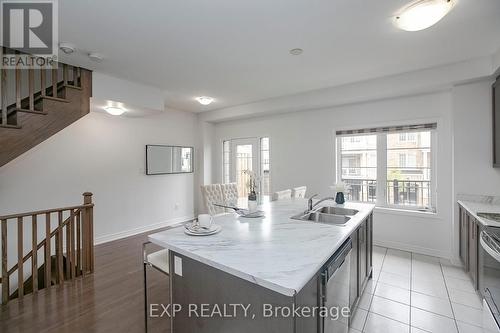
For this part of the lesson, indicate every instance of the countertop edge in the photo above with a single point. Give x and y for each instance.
(264, 283)
(287, 291)
(485, 222)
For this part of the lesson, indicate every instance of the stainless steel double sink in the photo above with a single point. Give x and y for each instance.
(327, 215)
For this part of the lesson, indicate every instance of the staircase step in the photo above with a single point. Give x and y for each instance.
(31, 111)
(58, 99)
(10, 126)
(72, 86)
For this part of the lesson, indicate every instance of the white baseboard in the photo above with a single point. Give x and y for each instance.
(413, 248)
(131, 232)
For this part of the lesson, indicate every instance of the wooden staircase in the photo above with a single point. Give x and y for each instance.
(66, 248)
(36, 103)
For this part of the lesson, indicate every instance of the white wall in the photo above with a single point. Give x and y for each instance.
(204, 161)
(303, 153)
(106, 156)
(472, 143)
(106, 87)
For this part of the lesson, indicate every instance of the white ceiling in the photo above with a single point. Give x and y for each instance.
(237, 51)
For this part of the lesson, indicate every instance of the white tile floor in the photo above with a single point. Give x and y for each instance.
(414, 293)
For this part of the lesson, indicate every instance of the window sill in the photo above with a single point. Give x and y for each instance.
(407, 212)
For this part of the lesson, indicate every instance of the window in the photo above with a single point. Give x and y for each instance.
(265, 166)
(226, 161)
(392, 169)
(409, 170)
(359, 166)
(247, 154)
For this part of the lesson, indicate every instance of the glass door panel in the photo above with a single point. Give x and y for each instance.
(245, 158)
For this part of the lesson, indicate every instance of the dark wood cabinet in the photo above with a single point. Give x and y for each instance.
(361, 259)
(496, 123)
(464, 237)
(369, 255)
(473, 250)
(469, 244)
(362, 262)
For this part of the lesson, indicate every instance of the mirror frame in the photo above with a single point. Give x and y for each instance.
(169, 173)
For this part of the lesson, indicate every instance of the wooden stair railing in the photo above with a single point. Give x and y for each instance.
(39, 102)
(72, 251)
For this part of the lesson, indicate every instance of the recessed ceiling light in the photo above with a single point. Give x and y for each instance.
(67, 48)
(115, 111)
(296, 51)
(422, 14)
(204, 100)
(96, 57)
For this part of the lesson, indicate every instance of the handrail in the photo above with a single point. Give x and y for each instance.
(42, 243)
(72, 252)
(46, 211)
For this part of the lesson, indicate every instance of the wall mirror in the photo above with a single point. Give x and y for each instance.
(162, 159)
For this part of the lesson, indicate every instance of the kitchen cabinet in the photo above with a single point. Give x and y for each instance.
(473, 250)
(496, 123)
(362, 262)
(469, 244)
(362, 259)
(464, 237)
(369, 254)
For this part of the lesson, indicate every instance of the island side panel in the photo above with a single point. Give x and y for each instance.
(308, 298)
(203, 284)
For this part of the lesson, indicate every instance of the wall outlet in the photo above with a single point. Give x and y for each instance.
(176, 206)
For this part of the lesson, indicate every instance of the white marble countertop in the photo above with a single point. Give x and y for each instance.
(481, 207)
(275, 252)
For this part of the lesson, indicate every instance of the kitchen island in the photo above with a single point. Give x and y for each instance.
(256, 263)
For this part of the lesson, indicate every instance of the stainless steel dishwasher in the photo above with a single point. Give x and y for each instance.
(334, 289)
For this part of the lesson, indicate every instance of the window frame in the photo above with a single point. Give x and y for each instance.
(382, 153)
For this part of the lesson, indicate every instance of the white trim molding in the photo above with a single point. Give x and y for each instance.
(131, 232)
(414, 249)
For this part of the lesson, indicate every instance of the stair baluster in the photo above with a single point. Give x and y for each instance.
(77, 258)
(48, 254)
(34, 253)
(31, 87)
(42, 81)
(20, 255)
(3, 90)
(18, 82)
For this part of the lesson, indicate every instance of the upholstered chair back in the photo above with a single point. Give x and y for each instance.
(213, 194)
(230, 194)
(280, 195)
(299, 192)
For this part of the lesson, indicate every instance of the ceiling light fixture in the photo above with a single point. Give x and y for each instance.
(67, 48)
(96, 57)
(204, 100)
(296, 51)
(115, 111)
(422, 14)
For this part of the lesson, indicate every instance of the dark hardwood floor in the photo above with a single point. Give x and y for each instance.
(109, 300)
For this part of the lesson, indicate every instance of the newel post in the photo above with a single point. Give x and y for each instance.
(88, 230)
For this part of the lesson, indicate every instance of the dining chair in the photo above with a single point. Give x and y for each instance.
(299, 192)
(230, 194)
(157, 260)
(280, 195)
(213, 194)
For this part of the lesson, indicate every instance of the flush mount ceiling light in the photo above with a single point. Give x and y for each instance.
(204, 100)
(67, 48)
(296, 51)
(96, 57)
(422, 14)
(114, 110)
